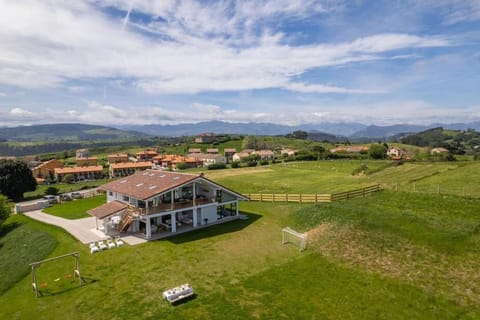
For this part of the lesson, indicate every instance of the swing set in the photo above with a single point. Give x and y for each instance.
(36, 265)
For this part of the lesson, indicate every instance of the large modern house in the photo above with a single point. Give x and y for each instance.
(154, 204)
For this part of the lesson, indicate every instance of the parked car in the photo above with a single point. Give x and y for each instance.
(65, 197)
(76, 195)
(51, 198)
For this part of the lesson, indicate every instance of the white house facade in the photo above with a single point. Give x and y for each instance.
(154, 204)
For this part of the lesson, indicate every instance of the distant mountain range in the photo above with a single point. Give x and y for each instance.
(65, 132)
(348, 129)
(341, 131)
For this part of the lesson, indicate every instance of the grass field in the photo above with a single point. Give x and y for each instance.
(64, 188)
(75, 209)
(393, 255)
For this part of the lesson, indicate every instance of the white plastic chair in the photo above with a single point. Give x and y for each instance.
(102, 245)
(110, 244)
(93, 248)
(119, 242)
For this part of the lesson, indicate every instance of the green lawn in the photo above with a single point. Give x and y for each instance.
(20, 244)
(392, 255)
(75, 209)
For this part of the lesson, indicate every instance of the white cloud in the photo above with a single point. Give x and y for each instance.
(21, 113)
(46, 43)
(3, 94)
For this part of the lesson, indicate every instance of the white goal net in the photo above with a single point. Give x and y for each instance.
(294, 237)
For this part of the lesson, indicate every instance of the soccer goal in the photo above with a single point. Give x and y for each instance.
(67, 275)
(294, 237)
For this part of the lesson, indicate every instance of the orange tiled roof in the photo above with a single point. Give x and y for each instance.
(128, 165)
(71, 170)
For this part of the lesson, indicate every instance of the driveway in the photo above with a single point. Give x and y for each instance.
(82, 229)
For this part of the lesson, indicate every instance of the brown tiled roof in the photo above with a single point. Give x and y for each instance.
(88, 158)
(212, 150)
(194, 150)
(118, 155)
(68, 170)
(146, 184)
(230, 150)
(128, 165)
(107, 209)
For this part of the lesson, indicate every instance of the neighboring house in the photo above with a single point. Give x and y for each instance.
(194, 150)
(46, 169)
(264, 154)
(212, 151)
(229, 152)
(439, 151)
(288, 152)
(208, 159)
(207, 137)
(117, 158)
(146, 155)
(395, 152)
(82, 153)
(171, 161)
(242, 154)
(122, 169)
(79, 173)
(154, 204)
(90, 161)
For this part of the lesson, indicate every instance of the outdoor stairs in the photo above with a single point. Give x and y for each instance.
(125, 223)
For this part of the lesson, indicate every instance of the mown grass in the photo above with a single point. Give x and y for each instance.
(429, 241)
(19, 246)
(75, 209)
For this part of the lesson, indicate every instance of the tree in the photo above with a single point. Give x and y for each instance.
(4, 209)
(15, 179)
(51, 191)
(377, 151)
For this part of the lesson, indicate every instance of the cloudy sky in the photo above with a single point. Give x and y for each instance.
(282, 61)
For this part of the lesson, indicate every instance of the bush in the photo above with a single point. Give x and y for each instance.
(5, 209)
(235, 164)
(217, 166)
(51, 191)
(263, 162)
(69, 179)
(251, 163)
(182, 166)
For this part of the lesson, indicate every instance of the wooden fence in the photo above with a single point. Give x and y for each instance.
(312, 197)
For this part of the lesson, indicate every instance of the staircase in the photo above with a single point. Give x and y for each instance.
(127, 218)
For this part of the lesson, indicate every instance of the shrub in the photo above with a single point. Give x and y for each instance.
(217, 166)
(235, 164)
(69, 179)
(251, 163)
(52, 191)
(182, 166)
(263, 162)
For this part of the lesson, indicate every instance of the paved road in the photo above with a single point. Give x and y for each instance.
(82, 229)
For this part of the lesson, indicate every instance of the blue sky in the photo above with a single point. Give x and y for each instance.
(288, 62)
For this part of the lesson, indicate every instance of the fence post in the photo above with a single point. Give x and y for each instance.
(438, 188)
(273, 197)
(300, 198)
(286, 196)
(316, 197)
(261, 197)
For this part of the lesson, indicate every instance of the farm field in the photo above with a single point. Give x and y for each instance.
(392, 255)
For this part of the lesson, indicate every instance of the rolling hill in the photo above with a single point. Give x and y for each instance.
(66, 132)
